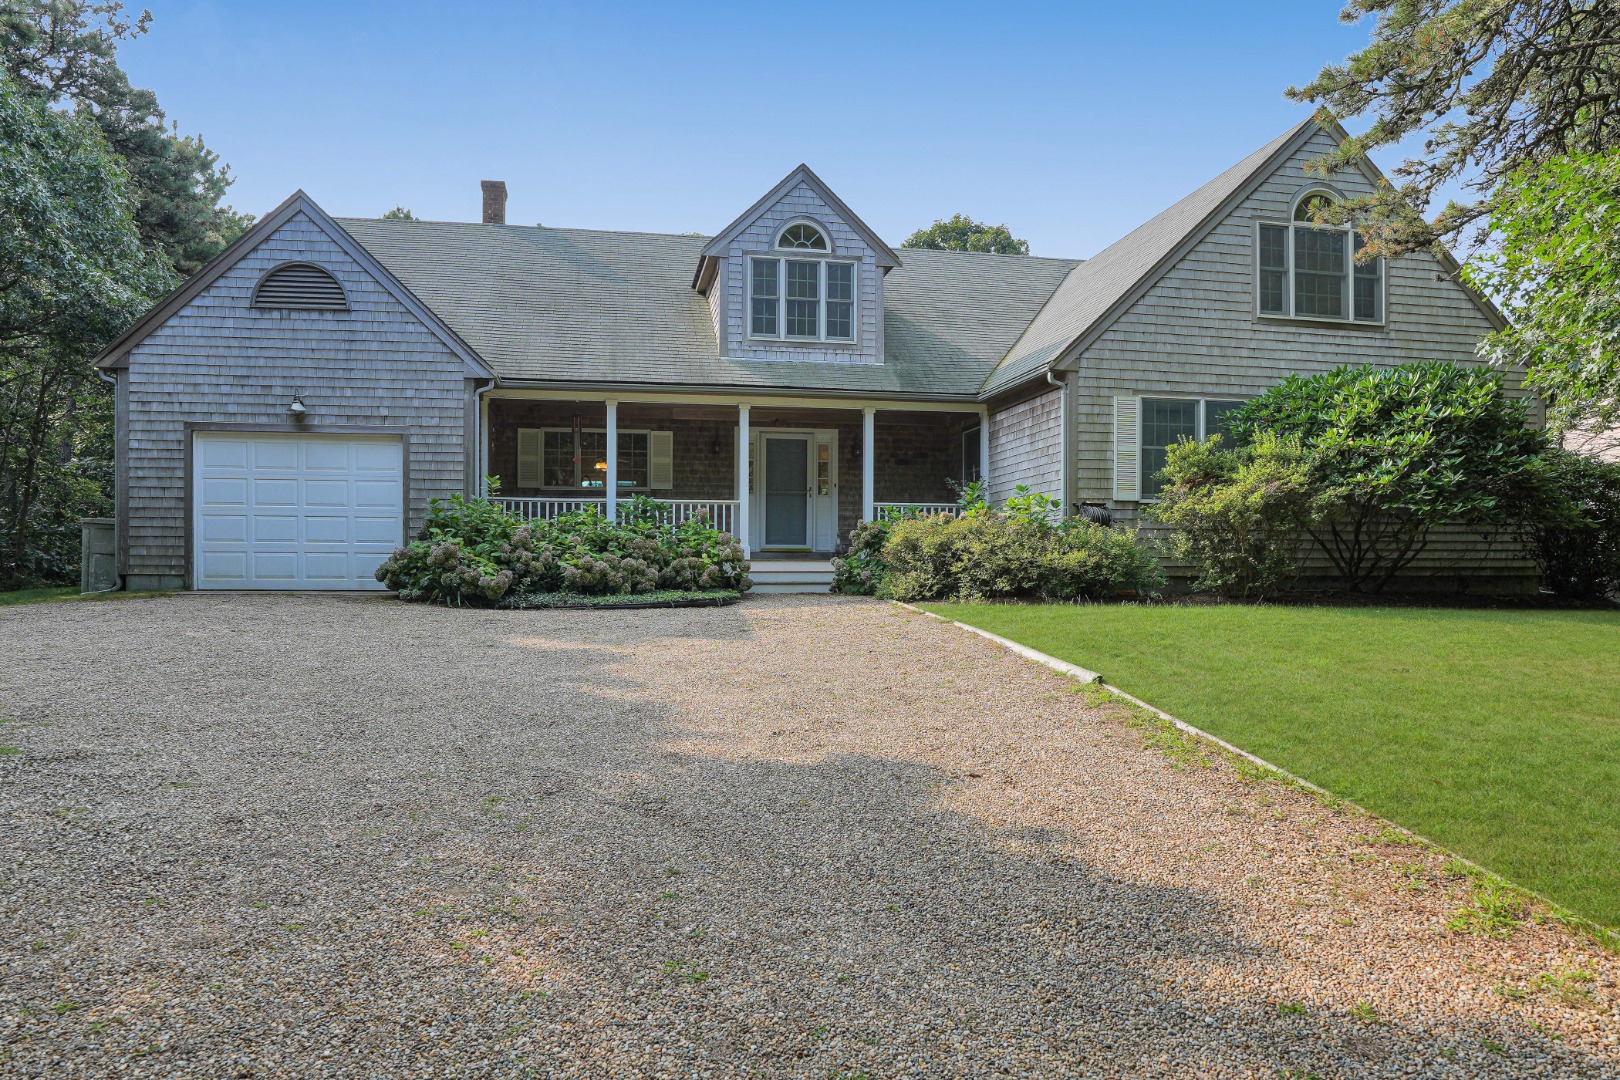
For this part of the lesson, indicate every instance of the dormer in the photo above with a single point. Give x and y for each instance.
(797, 277)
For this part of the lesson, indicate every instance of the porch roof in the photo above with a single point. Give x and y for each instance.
(570, 306)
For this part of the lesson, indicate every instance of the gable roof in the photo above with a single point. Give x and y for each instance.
(582, 307)
(1103, 287)
(886, 258)
(116, 354)
(1099, 288)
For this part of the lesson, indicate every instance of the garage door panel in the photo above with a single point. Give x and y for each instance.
(223, 492)
(225, 565)
(295, 511)
(328, 457)
(319, 529)
(225, 528)
(275, 528)
(377, 530)
(377, 493)
(275, 492)
(376, 457)
(219, 453)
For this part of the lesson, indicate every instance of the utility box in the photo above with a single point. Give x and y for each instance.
(98, 555)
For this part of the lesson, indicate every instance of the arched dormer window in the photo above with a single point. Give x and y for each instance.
(1307, 269)
(803, 296)
(802, 236)
(302, 286)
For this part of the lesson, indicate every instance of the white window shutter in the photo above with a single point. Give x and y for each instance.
(1127, 449)
(660, 459)
(528, 457)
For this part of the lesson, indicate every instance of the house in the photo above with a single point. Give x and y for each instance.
(284, 417)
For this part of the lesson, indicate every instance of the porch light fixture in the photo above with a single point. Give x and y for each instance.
(296, 409)
(714, 445)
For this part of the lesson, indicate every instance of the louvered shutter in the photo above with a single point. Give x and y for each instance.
(1127, 449)
(528, 457)
(661, 459)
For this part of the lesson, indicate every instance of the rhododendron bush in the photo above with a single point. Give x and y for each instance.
(473, 552)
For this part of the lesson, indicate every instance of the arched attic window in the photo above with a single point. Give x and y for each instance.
(802, 236)
(1309, 271)
(300, 285)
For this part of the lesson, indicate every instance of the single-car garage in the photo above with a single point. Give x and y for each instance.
(294, 511)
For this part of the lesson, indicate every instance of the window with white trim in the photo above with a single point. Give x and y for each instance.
(1166, 421)
(1309, 271)
(547, 457)
(801, 299)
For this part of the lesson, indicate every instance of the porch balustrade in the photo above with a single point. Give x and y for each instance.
(722, 513)
(894, 511)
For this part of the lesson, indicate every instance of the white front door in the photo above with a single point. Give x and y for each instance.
(294, 511)
(786, 502)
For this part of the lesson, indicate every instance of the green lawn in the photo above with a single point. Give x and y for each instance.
(1493, 733)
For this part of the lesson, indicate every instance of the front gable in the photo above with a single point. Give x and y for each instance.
(754, 243)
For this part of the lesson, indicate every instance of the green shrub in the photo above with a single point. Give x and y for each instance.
(1239, 515)
(990, 555)
(1581, 557)
(474, 552)
(859, 571)
(1394, 452)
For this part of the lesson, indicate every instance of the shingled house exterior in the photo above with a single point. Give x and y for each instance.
(284, 418)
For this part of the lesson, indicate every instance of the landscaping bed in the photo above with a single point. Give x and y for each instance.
(659, 598)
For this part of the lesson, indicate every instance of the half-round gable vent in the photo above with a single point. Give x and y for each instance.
(300, 285)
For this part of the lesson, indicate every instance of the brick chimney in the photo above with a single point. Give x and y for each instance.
(494, 201)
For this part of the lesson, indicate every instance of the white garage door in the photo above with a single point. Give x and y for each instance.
(295, 511)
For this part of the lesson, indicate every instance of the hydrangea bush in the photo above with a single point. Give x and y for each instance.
(473, 552)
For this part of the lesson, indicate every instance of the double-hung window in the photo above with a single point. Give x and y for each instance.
(801, 298)
(561, 467)
(1166, 421)
(1309, 271)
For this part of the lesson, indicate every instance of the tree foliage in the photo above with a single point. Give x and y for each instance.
(1581, 556)
(64, 52)
(1394, 453)
(961, 233)
(72, 274)
(398, 213)
(1490, 87)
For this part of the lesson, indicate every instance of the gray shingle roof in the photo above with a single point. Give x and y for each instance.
(577, 305)
(1095, 286)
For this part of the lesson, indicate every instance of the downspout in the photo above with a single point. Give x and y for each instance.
(1065, 442)
(482, 428)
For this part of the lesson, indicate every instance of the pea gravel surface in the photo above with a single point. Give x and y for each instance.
(343, 836)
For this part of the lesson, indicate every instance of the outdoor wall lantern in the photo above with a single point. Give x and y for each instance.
(296, 410)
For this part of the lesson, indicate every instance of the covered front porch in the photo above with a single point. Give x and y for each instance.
(786, 476)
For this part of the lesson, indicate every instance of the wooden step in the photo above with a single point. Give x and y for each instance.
(791, 575)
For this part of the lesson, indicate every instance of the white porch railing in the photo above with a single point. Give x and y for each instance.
(545, 509)
(894, 511)
(722, 513)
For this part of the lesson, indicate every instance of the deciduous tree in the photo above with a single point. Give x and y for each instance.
(961, 233)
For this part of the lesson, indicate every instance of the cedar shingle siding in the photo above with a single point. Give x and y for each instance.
(220, 360)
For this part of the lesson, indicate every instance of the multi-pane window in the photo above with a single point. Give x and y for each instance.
(560, 467)
(803, 236)
(801, 299)
(1166, 421)
(1308, 271)
(970, 455)
(763, 296)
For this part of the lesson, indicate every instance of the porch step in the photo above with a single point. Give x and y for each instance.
(791, 575)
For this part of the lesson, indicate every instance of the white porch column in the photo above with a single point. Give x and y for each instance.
(984, 451)
(868, 452)
(742, 479)
(612, 507)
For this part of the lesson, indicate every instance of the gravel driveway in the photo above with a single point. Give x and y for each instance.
(305, 836)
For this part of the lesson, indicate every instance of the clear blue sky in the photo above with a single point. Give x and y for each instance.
(1071, 122)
